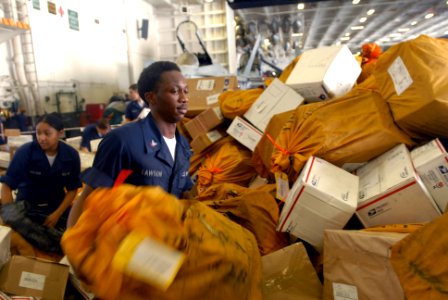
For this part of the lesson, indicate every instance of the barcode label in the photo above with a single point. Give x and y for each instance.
(281, 179)
(205, 85)
(148, 260)
(400, 76)
(212, 99)
(32, 281)
(213, 136)
(344, 291)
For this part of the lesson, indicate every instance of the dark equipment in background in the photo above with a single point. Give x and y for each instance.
(204, 58)
(143, 30)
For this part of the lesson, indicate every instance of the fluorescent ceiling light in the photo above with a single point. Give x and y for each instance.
(347, 34)
(414, 23)
(338, 43)
(297, 34)
(362, 20)
(300, 6)
(429, 16)
(357, 27)
(356, 2)
(385, 39)
(208, 1)
(345, 38)
(370, 12)
(403, 29)
(395, 35)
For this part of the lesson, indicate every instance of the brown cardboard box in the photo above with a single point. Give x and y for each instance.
(289, 275)
(204, 122)
(204, 140)
(33, 277)
(12, 132)
(357, 266)
(5, 244)
(203, 92)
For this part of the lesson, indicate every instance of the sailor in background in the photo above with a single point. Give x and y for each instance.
(93, 132)
(135, 106)
(46, 174)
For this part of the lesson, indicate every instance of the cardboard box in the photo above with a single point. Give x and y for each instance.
(202, 141)
(324, 73)
(431, 163)
(390, 191)
(87, 159)
(5, 245)
(94, 144)
(289, 275)
(357, 266)
(33, 277)
(203, 92)
(75, 142)
(75, 281)
(204, 122)
(323, 197)
(244, 132)
(276, 99)
(17, 141)
(12, 132)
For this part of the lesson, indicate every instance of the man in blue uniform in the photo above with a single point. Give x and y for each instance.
(152, 150)
(93, 132)
(135, 106)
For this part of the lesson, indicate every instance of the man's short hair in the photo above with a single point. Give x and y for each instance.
(150, 76)
(134, 87)
(102, 123)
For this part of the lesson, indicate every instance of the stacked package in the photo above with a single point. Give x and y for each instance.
(391, 192)
(412, 76)
(351, 129)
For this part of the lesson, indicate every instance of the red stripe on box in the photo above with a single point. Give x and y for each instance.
(387, 195)
(292, 208)
(442, 149)
(309, 170)
(248, 124)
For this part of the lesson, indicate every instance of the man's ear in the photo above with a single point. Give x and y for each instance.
(61, 133)
(150, 98)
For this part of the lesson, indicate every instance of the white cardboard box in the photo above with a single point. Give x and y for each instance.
(276, 99)
(5, 245)
(244, 133)
(431, 163)
(323, 197)
(324, 73)
(391, 192)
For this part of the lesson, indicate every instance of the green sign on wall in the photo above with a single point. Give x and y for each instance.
(73, 20)
(36, 4)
